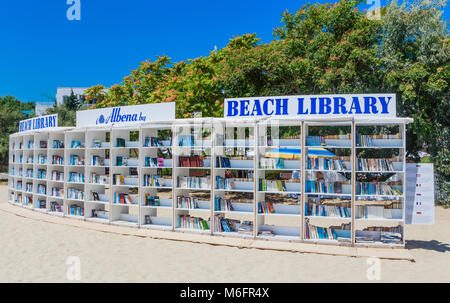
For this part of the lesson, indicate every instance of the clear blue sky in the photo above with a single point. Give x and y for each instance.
(42, 50)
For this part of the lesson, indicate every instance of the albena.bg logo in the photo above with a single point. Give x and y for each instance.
(116, 117)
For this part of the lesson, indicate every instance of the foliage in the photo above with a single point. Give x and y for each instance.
(320, 48)
(10, 115)
(66, 116)
(72, 103)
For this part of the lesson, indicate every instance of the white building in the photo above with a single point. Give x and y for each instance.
(41, 107)
(62, 93)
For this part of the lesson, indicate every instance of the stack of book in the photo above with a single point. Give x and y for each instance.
(222, 204)
(222, 162)
(375, 165)
(317, 209)
(57, 192)
(272, 186)
(57, 175)
(55, 207)
(42, 189)
(323, 187)
(377, 189)
(76, 177)
(98, 160)
(75, 210)
(42, 159)
(153, 162)
(121, 198)
(271, 163)
(246, 227)
(41, 174)
(77, 144)
(76, 160)
(120, 142)
(151, 200)
(187, 202)
(187, 221)
(193, 182)
(224, 183)
(225, 225)
(75, 194)
(58, 144)
(57, 160)
(326, 164)
(192, 161)
(265, 208)
(391, 237)
(153, 180)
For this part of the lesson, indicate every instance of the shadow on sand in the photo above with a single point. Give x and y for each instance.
(428, 245)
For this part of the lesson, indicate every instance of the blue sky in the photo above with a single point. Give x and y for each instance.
(42, 49)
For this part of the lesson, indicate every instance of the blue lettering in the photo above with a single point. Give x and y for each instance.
(282, 104)
(232, 108)
(369, 102)
(244, 107)
(355, 106)
(313, 106)
(266, 107)
(339, 102)
(301, 110)
(256, 109)
(324, 106)
(384, 104)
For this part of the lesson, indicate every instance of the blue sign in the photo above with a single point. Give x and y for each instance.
(361, 105)
(38, 123)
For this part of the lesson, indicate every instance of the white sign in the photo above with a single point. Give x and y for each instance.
(419, 194)
(361, 105)
(49, 121)
(126, 115)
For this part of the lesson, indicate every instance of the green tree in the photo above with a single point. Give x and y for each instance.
(72, 103)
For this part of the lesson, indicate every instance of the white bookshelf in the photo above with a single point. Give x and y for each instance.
(41, 176)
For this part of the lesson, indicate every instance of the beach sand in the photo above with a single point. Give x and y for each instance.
(36, 251)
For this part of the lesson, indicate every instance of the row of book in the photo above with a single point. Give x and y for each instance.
(99, 179)
(151, 200)
(221, 204)
(153, 142)
(189, 222)
(186, 140)
(118, 179)
(75, 194)
(222, 162)
(374, 212)
(57, 175)
(29, 187)
(30, 145)
(55, 207)
(153, 162)
(224, 183)
(194, 182)
(266, 208)
(246, 228)
(96, 143)
(120, 142)
(323, 187)
(377, 189)
(41, 159)
(328, 233)
(29, 173)
(57, 160)
(375, 164)
(190, 161)
(121, 161)
(271, 185)
(98, 160)
(225, 225)
(317, 209)
(326, 164)
(57, 192)
(77, 144)
(153, 180)
(75, 210)
(42, 204)
(42, 189)
(76, 160)
(187, 202)
(58, 144)
(271, 163)
(76, 177)
(122, 198)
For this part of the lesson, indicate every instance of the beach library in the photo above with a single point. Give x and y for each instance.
(321, 169)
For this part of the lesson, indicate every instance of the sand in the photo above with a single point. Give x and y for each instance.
(36, 251)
